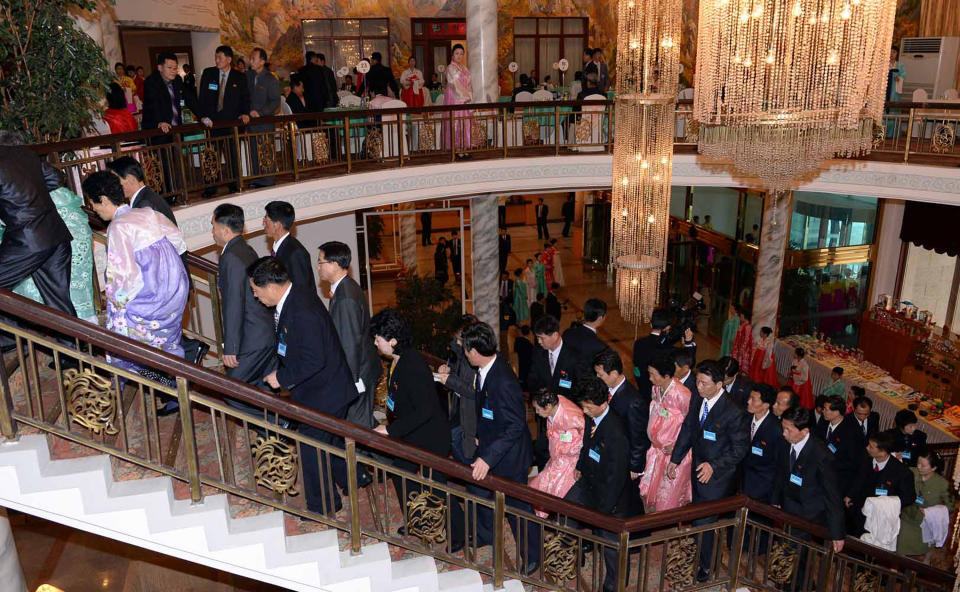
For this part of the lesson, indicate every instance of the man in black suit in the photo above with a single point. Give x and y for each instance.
(313, 368)
(878, 474)
(380, 77)
(633, 409)
(134, 189)
(504, 245)
(542, 211)
(36, 242)
(738, 386)
(567, 211)
(537, 309)
(314, 85)
(278, 219)
(329, 80)
(164, 99)
(604, 484)
(868, 420)
(766, 442)
(718, 433)
(683, 360)
(841, 435)
(584, 336)
(786, 399)
(552, 304)
(503, 441)
(426, 228)
(224, 96)
(249, 340)
(819, 422)
(524, 350)
(645, 349)
(456, 251)
(351, 318)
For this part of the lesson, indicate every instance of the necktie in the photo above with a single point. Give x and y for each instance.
(609, 395)
(220, 91)
(593, 430)
(173, 103)
(476, 382)
(753, 429)
(876, 468)
(829, 433)
(793, 457)
(553, 362)
(276, 318)
(703, 415)
(864, 428)
(273, 253)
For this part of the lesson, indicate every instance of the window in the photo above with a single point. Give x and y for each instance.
(927, 281)
(540, 42)
(825, 220)
(344, 41)
(829, 299)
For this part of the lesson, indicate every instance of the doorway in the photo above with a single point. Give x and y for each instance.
(433, 41)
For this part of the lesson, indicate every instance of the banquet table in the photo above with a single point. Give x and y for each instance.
(888, 394)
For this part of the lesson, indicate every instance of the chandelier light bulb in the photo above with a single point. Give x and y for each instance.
(744, 17)
(651, 219)
(758, 11)
(624, 213)
(625, 181)
(644, 164)
(813, 20)
(797, 9)
(664, 160)
(845, 14)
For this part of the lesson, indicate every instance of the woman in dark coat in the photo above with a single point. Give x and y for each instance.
(440, 270)
(908, 441)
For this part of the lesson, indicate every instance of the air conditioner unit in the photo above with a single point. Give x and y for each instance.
(930, 64)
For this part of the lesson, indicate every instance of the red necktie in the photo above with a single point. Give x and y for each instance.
(876, 468)
(273, 253)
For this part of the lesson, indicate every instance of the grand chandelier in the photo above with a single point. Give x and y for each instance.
(648, 64)
(782, 85)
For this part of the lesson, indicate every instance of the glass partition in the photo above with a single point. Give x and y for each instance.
(826, 220)
(828, 299)
(717, 208)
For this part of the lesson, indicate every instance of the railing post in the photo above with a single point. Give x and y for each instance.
(556, 128)
(239, 161)
(180, 163)
(346, 140)
(214, 283)
(453, 138)
(292, 126)
(737, 550)
(906, 149)
(8, 425)
(498, 512)
(400, 142)
(189, 439)
(623, 561)
(610, 115)
(506, 116)
(354, 491)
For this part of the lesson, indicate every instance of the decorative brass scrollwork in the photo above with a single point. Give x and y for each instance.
(878, 135)
(152, 171)
(944, 137)
(478, 133)
(92, 404)
(531, 132)
(374, 144)
(583, 131)
(321, 148)
(426, 517)
(783, 560)
(210, 164)
(266, 154)
(691, 130)
(866, 581)
(560, 557)
(680, 561)
(275, 465)
(428, 136)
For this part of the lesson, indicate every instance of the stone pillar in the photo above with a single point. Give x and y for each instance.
(888, 248)
(485, 257)
(408, 238)
(773, 248)
(482, 50)
(10, 570)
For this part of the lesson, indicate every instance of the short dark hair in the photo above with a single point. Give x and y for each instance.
(130, 68)
(935, 460)
(546, 325)
(126, 165)
(597, 50)
(268, 270)
(116, 99)
(659, 318)
(187, 68)
(592, 390)
(904, 417)
(730, 366)
(799, 352)
(835, 403)
(861, 400)
(321, 57)
(479, 337)
(820, 401)
(337, 252)
(767, 393)
(712, 369)
(104, 183)
(390, 325)
(663, 364)
(376, 56)
(794, 397)
(609, 360)
(766, 331)
(588, 50)
(593, 309)
(883, 440)
(261, 51)
(282, 212)
(225, 50)
(800, 417)
(163, 57)
(681, 357)
(118, 64)
(838, 370)
(544, 397)
(456, 47)
(230, 215)
(309, 56)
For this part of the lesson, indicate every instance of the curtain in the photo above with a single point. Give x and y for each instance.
(932, 226)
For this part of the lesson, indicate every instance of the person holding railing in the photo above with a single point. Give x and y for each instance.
(564, 427)
(766, 446)
(460, 378)
(669, 403)
(223, 96)
(459, 91)
(264, 93)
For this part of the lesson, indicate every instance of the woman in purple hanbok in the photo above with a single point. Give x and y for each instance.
(458, 92)
(146, 284)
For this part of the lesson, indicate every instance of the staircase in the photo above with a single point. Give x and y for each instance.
(82, 493)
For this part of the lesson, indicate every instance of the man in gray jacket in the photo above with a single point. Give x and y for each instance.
(461, 379)
(351, 318)
(264, 102)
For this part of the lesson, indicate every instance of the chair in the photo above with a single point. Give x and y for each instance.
(545, 122)
(920, 96)
(684, 113)
(392, 144)
(951, 95)
(350, 101)
(591, 128)
(284, 107)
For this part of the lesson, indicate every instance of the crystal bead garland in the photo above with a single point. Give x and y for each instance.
(782, 85)
(648, 64)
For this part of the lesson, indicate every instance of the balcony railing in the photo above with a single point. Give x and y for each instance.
(212, 444)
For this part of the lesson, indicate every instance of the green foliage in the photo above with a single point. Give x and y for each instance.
(431, 310)
(52, 74)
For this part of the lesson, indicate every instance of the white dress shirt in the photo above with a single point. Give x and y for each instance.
(879, 466)
(553, 355)
(755, 424)
(282, 300)
(279, 241)
(709, 402)
(483, 370)
(798, 447)
(333, 286)
(133, 198)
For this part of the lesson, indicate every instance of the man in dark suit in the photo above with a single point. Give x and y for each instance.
(738, 386)
(766, 442)
(164, 99)
(819, 422)
(841, 435)
(426, 228)
(878, 474)
(718, 433)
(36, 242)
(604, 485)
(503, 441)
(264, 90)
(224, 96)
(537, 309)
(456, 252)
(314, 84)
(868, 420)
(380, 77)
(132, 180)
(329, 80)
(277, 221)
(645, 349)
(567, 211)
(313, 368)
(249, 340)
(552, 304)
(633, 409)
(542, 211)
(504, 245)
(683, 360)
(584, 336)
(351, 318)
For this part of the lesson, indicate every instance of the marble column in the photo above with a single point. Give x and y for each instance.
(773, 248)
(482, 50)
(10, 571)
(889, 244)
(408, 238)
(485, 257)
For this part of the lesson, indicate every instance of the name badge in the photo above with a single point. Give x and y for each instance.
(390, 403)
(880, 491)
(664, 412)
(566, 437)
(708, 435)
(920, 501)
(564, 383)
(282, 349)
(756, 450)
(182, 103)
(486, 413)
(213, 86)
(796, 479)
(832, 448)
(594, 455)
(905, 455)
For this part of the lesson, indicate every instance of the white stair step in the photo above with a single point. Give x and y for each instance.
(459, 580)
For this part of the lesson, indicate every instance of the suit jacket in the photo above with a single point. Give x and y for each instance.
(315, 88)
(909, 446)
(330, 82)
(645, 350)
(542, 211)
(846, 443)
(567, 211)
(524, 350)
(26, 208)
(351, 318)
(504, 244)
(379, 78)
(502, 434)
(760, 464)
(157, 104)
(873, 425)
(603, 76)
(604, 467)
(298, 263)
(691, 384)
(634, 411)
(416, 417)
(585, 341)
(455, 246)
(148, 198)
(247, 324)
(236, 97)
(264, 90)
(723, 442)
(810, 490)
(895, 478)
(566, 370)
(739, 390)
(553, 306)
(463, 405)
(312, 365)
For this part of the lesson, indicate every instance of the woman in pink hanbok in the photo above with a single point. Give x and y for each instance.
(458, 92)
(669, 402)
(565, 436)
